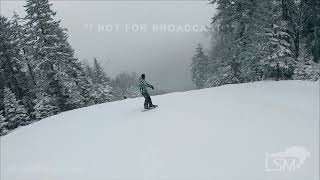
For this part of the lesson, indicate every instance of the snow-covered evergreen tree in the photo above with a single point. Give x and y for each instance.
(259, 39)
(277, 58)
(89, 71)
(99, 75)
(11, 67)
(20, 33)
(125, 85)
(57, 68)
(278, 64)
(36, 58)
(3, 124)
(44, 107)
(199, 67)
(239, 24)
(306, 68)
(101, 83)
(224, 67)
(311, 10)
(86, 88)
(15, 113)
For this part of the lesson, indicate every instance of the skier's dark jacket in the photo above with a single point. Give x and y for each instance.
(143, 85)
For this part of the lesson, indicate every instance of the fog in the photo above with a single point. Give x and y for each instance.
(121, 46)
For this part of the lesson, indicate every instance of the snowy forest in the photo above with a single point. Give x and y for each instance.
(40, 76)
(260, 40)
(253, 40)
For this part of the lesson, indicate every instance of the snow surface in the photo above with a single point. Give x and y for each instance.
(218, 133)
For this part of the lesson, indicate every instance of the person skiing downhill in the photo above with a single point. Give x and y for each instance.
(143, 85)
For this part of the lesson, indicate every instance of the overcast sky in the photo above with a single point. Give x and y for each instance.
(163, 56)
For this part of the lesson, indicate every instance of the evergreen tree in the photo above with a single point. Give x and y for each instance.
(291, 13)
(259, 39)
(3, 124)
(222, 68)
(125, 85)
(15, 113)
(86, 87)
(99, 76)
(38, 67)
(199, 67)
(89, 71)
(11, 67)
(302, 21)
(307, 70)
(103, 89)
(278, 62)
(312, 28)
(57, 68)
(239, 26)
(44, 107)
(21, 32)
(277, 59)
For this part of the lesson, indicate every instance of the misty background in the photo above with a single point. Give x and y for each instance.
(163, 56)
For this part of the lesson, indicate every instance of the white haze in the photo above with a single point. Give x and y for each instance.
(163, 56)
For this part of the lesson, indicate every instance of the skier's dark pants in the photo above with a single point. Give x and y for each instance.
(147, 101)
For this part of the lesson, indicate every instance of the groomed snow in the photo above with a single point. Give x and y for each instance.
(218, 133)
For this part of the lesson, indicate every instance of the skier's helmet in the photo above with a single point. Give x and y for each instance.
(143, 76)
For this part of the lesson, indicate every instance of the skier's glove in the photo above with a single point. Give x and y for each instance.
(152, 87)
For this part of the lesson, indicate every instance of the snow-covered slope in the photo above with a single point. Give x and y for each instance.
(216, 133)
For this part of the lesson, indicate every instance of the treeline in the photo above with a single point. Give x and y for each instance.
(39, 74)
(125, 85)
(259, 40)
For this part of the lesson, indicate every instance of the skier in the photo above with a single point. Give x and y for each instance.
(143, 85)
